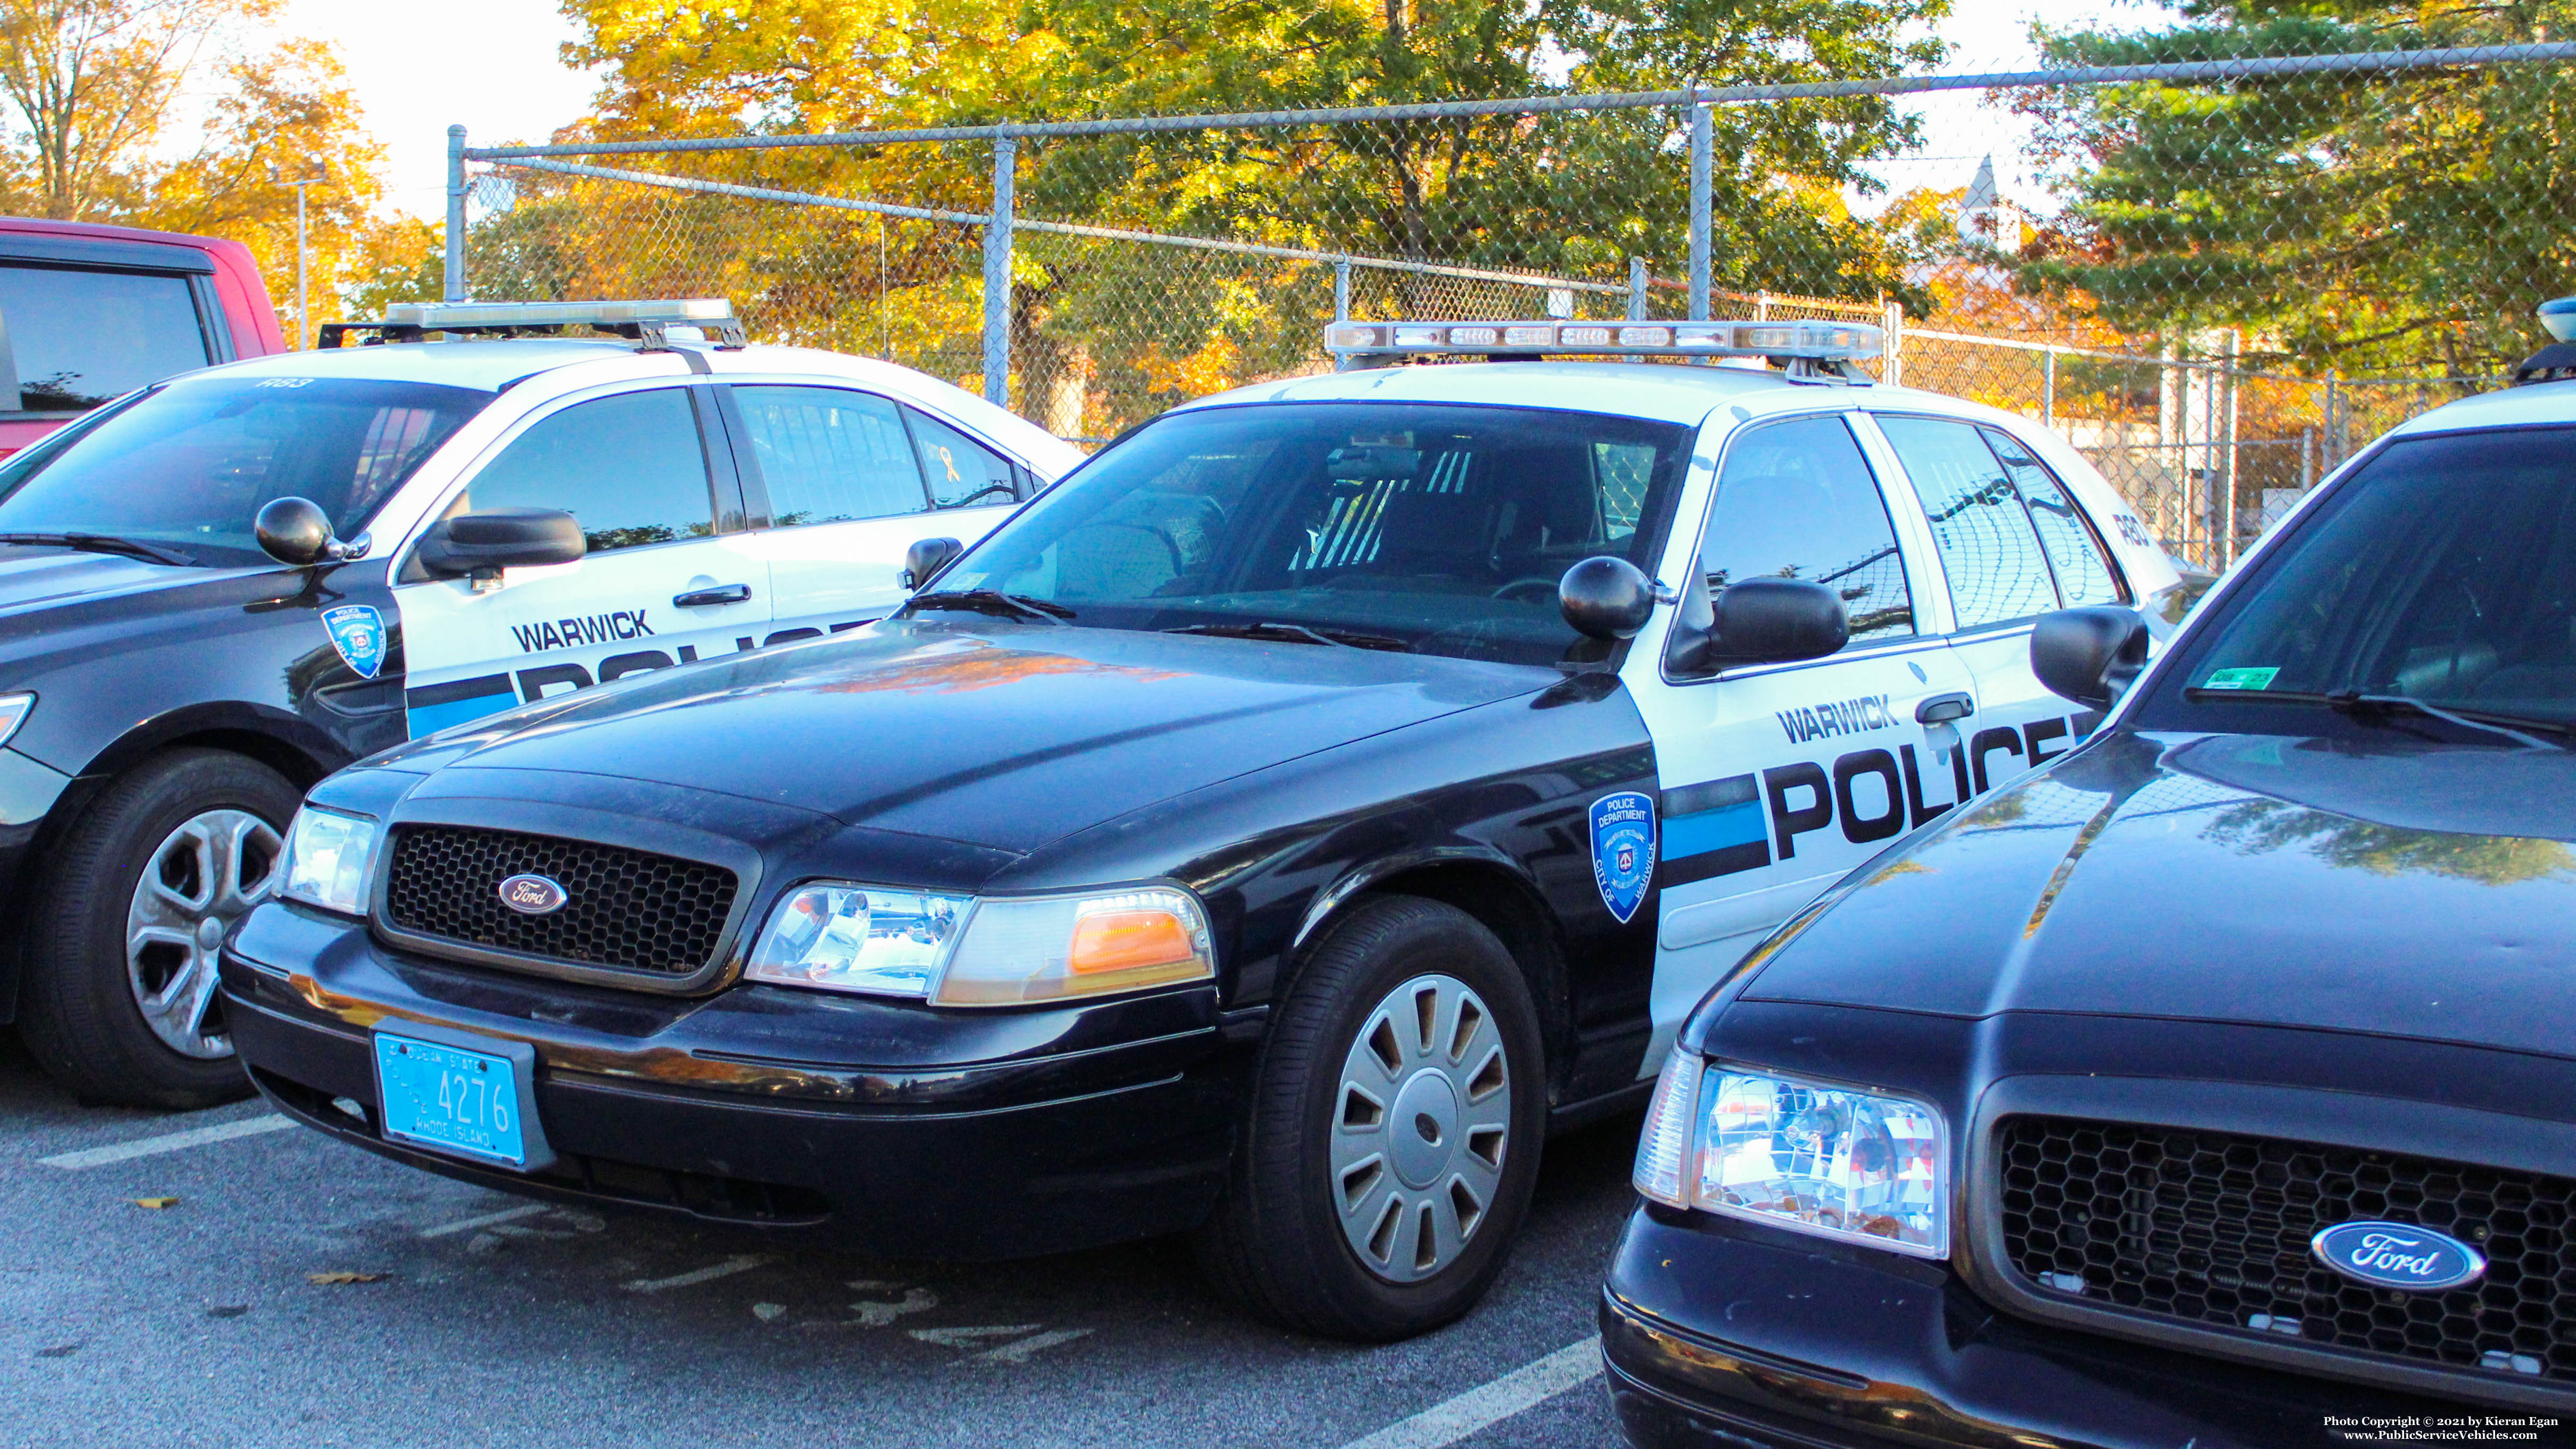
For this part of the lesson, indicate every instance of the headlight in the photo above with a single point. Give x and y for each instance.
(1823, 1159)
(1055, 947)
(13, 713)
(962, 951)
(858, 938)
(327, 857)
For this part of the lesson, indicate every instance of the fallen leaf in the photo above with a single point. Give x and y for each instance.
(766, 1312)
(344, 1277)
(156, 1202)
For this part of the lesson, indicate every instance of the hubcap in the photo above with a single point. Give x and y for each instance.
(1420, 1125)
(198, 881)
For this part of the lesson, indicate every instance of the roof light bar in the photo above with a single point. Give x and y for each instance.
(656, 324)
(1806, 340)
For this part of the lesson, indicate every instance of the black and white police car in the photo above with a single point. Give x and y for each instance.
(1273, 830)
(525, 518)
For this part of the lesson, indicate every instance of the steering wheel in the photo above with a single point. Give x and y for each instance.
(1517, 586)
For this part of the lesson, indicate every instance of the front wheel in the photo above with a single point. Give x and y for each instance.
(1393, 1138)
(120, 1002)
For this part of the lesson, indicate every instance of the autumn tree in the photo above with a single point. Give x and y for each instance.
(97, 95)
(2386, 222)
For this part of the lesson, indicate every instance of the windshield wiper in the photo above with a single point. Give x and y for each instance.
(101, 543)
(2371, 708)
(994, 601)
(1298, 633)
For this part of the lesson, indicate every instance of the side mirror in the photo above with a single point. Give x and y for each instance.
(500, 539)
(2090, 655)
(923, 561)
(1761, 621)
(296, 531)
(1606, 598)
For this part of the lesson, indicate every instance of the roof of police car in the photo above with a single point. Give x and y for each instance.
(487, 365)
(1659, 391)
(2545, 402)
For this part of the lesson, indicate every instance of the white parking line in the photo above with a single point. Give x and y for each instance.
(1019, 1352)
(740, 1263)
(166, 1142)
(505, 1215)
(1449, 1422)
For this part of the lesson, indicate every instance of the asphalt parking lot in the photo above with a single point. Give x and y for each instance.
(488, 1320)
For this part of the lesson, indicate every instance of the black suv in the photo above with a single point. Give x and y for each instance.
(2212, 1084)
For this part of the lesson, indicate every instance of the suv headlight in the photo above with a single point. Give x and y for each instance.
(1831, 1160)
(328, 855)
(962, 951)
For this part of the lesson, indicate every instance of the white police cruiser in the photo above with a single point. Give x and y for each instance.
(1271, 831)
(525, 513)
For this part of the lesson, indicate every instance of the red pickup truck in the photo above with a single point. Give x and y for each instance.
(90, 312)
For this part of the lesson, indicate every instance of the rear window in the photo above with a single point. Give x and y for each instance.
(186, 468)
(81, 337)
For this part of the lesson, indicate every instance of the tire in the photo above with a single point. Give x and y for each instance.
(209, 824)
(1320, 1227)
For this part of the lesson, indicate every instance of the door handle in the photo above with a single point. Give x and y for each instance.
(720, 594)
(1941, 709)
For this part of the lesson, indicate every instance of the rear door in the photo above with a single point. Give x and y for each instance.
(840, 483)
(2013, 545)
(1777, 779)
(667, 580)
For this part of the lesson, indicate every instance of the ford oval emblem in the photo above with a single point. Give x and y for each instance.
(2397, 1255)
(533, 895)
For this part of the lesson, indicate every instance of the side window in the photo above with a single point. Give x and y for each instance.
(961, 471)
(83, 337)
(1797, 501)
(1998, 572)
(830, 455)
(630, 467)
(2084, 574)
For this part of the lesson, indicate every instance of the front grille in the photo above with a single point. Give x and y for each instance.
(2212, 1229)
(626, 909)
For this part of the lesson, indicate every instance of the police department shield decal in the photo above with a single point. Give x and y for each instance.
(1623, 851)
(358, 632)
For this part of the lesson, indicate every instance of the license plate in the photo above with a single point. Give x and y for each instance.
(451, 1099)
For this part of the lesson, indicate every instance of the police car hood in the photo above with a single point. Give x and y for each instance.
(36, 576)
(1004, 736)
(2388, 886)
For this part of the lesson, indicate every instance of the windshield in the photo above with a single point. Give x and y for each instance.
(1442, 529)
(2443, 572)
(187, 467)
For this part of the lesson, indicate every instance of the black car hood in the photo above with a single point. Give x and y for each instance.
(33, 576)
(2391, 887)
(1005, 736)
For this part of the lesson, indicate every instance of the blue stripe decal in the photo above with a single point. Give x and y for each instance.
(1729, 825)
(430, 719)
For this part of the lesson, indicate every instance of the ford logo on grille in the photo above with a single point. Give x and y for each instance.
(533, 895)
(2397, 1255)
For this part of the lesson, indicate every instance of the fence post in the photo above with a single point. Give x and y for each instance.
(455, 214)
(997, 276)
(1891, 327)
(1703, 163)
(2332, 443)
(1342, 290)
(2232, 342)
(2048, 388)
(1636, 289)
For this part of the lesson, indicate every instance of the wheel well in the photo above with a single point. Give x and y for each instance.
(1506, 906)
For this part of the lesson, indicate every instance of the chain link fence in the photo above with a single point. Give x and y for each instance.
(2216, 275)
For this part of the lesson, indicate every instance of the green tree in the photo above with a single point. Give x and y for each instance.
(2367, 222)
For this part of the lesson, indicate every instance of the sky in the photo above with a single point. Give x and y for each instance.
(494, 66)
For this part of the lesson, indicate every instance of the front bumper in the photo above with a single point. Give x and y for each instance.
(895, 1128)
(1718, 1332)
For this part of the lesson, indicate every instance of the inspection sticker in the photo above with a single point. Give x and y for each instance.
(2241, 678)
